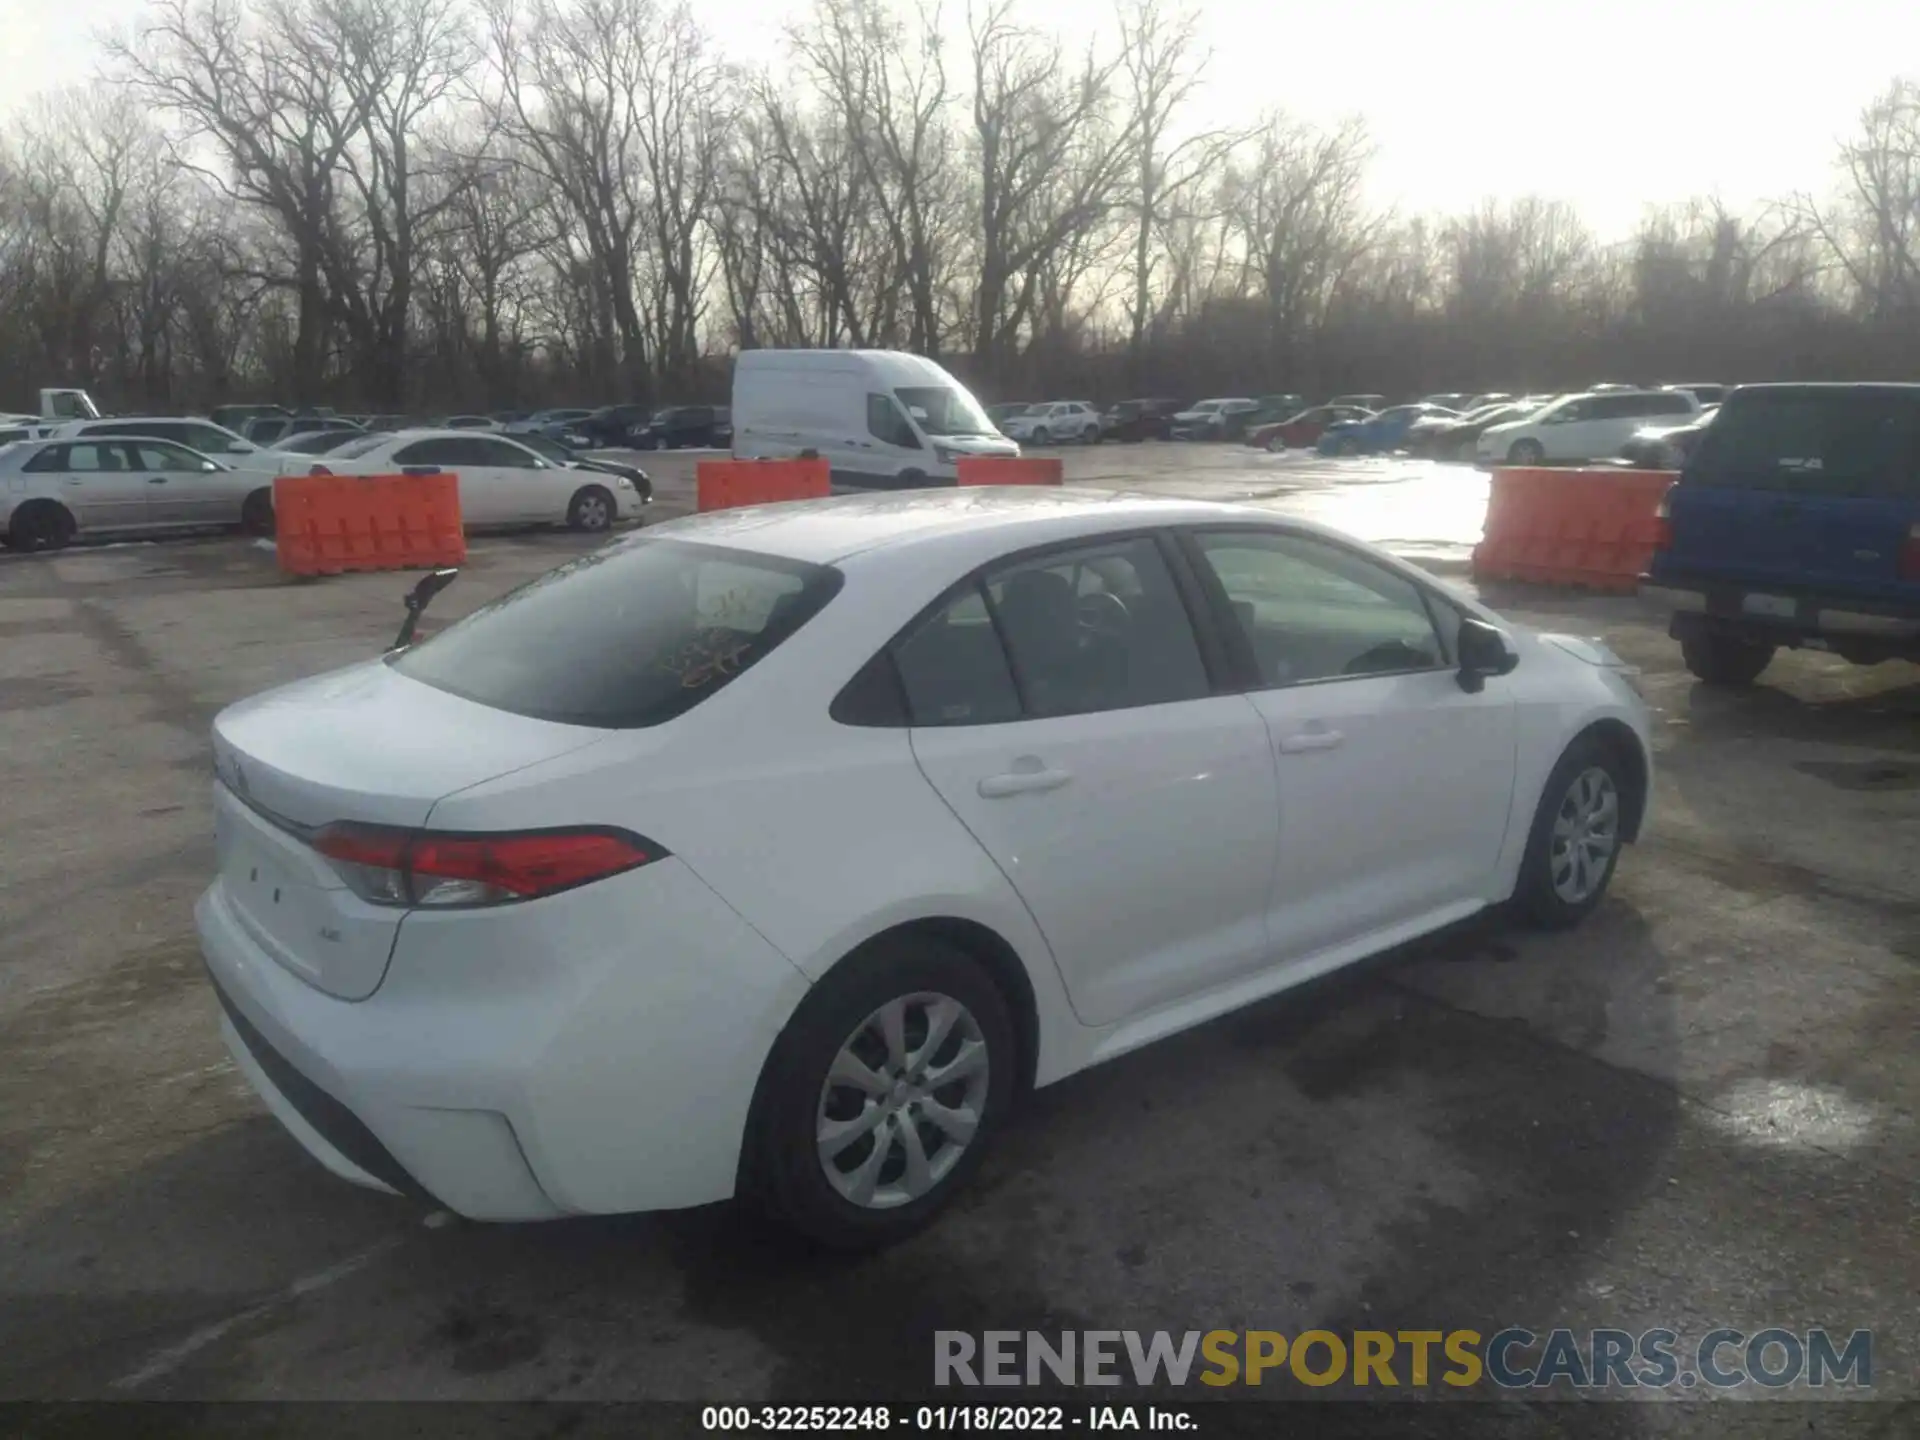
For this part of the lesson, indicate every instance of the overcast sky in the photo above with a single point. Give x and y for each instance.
(1609, 106)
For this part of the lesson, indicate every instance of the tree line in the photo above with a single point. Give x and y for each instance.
(411, 205)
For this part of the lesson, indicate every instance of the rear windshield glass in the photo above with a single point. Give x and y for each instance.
(1838, 442)
(629, 636)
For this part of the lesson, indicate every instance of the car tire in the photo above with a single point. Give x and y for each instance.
(256, 513)
(1526, 452)
(1577, 834)
(1725, 659)
(1346, 445)
(591, 510)
(41, 525)
(1276, 444)
(844, 1018)
(1090, 435)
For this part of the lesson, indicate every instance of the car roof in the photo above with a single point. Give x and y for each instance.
(441, 432)
(1003, 518)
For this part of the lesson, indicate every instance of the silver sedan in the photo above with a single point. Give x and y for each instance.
(52, 491)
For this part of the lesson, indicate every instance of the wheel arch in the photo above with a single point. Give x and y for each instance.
(1619, 739)
(42, 504)
(981, 943)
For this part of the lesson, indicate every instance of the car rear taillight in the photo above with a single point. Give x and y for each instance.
(386, 866)
(1663, 521)
(1910, 554)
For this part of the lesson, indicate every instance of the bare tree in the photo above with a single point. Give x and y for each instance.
(1164, 70)
(280, 112)
(1049, 166)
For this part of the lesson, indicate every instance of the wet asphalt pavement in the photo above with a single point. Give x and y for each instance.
(1695, 1111)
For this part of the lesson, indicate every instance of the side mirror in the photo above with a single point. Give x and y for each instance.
(1483, 651)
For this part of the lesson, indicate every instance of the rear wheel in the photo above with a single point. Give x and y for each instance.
(1725, 659)
(591, 510)
(41, 525)
(882, 1095)
(1276, 442)
(1347, 445)
(256, 513)
(1090, 435)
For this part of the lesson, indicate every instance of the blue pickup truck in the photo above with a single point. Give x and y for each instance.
(1796, 522)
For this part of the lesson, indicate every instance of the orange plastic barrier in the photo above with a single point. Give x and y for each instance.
(330, 524)
(1001, 470)
(1591, 527)
(724, 484)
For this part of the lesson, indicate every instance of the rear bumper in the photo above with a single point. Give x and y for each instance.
(595, 1052)
(1706, 604)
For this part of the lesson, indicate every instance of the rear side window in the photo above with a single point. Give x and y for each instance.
(626, 637)
(952, 666)
(1665, 405)
(1839, 442)
(1098, 628)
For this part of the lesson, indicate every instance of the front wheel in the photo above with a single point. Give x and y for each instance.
(1090, 435)
(1725, 659)
(882, 1095)
(1526, 452)
(1276, 443)
(1576, 837)
(591, 510)
(1347, 445)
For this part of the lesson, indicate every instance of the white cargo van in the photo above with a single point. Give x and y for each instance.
(882, 419)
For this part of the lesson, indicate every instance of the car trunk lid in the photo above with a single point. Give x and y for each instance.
(364, 744)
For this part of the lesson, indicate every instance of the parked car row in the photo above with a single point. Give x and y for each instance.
(135, 474)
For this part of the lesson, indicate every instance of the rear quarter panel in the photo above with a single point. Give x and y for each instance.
(820, 835)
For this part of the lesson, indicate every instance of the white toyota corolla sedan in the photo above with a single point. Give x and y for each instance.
(776, 851)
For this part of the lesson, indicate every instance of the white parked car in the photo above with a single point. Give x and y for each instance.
(1055, 422)
(1212, 419)
(53, 491)
(781, 848)
(214, 441)
(1582, 427)
(502, 482)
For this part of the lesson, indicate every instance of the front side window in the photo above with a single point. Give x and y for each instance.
(154, 456)
(421, 452)
(501, 455)
(1101, 627)
(1309, 611)
(626, 637)
(942, 410)
(886, 424)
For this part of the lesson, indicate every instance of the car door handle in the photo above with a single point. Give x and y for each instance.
(1022, 782)
(1312, 740)
(157, 480)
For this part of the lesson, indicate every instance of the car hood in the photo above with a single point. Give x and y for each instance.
(1196, 415)
(1343, 427)
(976, 444)
(1510, 427)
